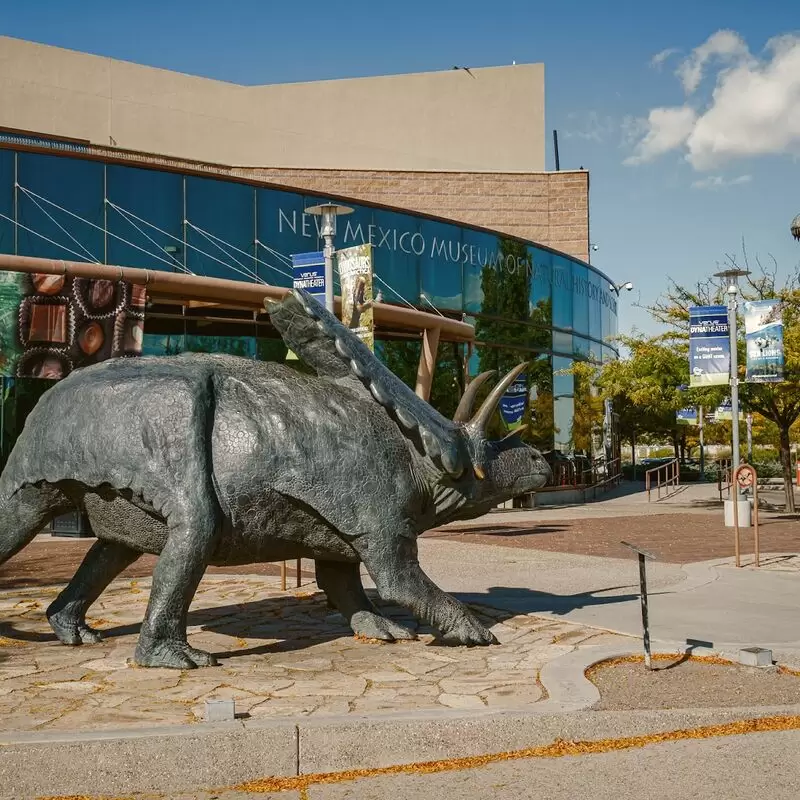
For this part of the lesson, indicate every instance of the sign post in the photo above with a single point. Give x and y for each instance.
(643, 555)
(745, 477)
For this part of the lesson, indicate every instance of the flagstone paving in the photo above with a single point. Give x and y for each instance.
(282, 654)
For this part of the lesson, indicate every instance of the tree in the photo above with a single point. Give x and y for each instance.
(776, 402)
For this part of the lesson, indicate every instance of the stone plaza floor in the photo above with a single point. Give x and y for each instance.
(282, 655)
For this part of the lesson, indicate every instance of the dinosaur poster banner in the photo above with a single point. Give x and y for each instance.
(52, 324)
(355, 277)
(709, 346)
(763, 324)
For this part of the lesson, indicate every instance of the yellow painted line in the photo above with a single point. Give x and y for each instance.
(557, 749)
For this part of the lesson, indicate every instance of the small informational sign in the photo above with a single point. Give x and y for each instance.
(725, 411)
(355, 277)
(709, 346)
(308, 273)
(763, 324)
(513, 402)
(686, 416)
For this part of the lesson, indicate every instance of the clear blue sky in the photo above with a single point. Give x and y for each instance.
(712, 170)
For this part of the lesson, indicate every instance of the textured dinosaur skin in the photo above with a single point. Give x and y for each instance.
(206, 459)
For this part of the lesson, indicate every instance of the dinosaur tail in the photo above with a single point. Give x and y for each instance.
(25, 512)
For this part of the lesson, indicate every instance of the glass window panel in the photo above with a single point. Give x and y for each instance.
(580, 298)
(6, 201)
(562, 292)
(401, 356)
(221, 217)
(283, 230)
(596, 287)
(583, 347)
(65, 187)
(609, 316)
(563, 382)
(482, 265)
(609, 354)
(399, 246)
(163, 344)
(541, 300)
(147, 230)
(562, 342)
(563, 410)
(449, 253)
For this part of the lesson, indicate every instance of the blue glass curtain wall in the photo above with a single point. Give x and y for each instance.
(527, 303)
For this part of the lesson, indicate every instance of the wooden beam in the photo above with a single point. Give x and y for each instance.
(188, 288)
(427, 362)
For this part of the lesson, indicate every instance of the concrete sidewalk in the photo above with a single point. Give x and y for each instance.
(711, 602)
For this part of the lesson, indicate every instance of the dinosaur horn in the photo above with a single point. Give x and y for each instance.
(464, 410)
(479, 422)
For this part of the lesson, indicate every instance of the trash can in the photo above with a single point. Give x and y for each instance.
(745, 513)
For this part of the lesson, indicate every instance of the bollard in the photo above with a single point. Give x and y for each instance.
(643, 555)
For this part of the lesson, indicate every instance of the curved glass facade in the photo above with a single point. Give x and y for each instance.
(526, 302)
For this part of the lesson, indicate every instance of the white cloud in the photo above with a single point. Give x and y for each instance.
(590, 126)
(726, 46)
(657, 61)
(667, 129)
(754, 108)
(719, 182)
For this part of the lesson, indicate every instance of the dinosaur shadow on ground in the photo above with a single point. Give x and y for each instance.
(313, 622)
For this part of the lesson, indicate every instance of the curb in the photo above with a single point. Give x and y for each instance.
(196, 757)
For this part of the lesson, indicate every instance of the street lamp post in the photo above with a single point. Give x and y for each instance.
(731, 278)
(328, 213)
(618, 287)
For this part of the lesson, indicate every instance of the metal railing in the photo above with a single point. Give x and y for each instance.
(724, 476)
(611, 473)
(666, 476)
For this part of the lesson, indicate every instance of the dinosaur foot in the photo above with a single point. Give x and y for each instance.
(172, 654)
(374, 626)
(465, 629)
(71, 628)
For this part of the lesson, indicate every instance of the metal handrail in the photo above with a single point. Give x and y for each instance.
(672, 477)
(724, 476)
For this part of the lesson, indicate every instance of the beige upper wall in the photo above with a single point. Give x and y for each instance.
(445, 121)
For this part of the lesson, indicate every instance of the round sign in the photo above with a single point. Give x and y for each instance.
(745, 476)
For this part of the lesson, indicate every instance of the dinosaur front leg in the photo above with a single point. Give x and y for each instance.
(183, 560)
(392, 562)
(341, 581)
(67, 613)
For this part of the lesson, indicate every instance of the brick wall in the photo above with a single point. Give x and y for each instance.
(551, 208)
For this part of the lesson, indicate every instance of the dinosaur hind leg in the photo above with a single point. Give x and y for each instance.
(67, 613)
(341, 582)
(26, 512)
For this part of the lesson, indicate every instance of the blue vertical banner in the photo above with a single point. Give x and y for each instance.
(709, 346)
(308, 273)
(686, 416)
(763, 325)
(513, 402)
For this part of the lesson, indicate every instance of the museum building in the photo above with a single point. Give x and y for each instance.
(114, 163)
